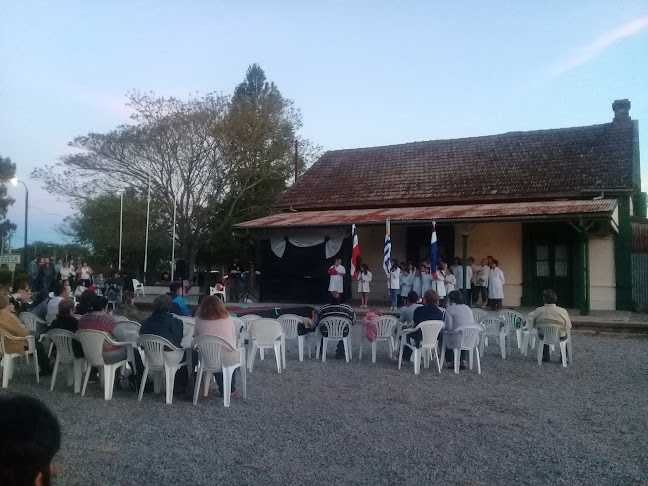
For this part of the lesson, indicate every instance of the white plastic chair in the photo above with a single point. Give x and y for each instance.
(429, 342)
(160, 357)
(470, 341)
(7, 358)
(117, 318)
(514, 322)
(31, 322)
(494, 327)
(478, 314)
(291, 324)
(335, 327)
(551, 336)
(268, 334)
(247, 318)
(240, 331)
(63, 340)
(385, 325)
(529, 333)
(129, 329)
(138, 287)
(213, 291)
(209, 349)
(93, 342)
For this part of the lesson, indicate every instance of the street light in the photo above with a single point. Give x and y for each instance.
(121, 225)
(15, 182)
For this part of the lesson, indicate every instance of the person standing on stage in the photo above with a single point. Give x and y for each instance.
(337, 273)
(235, 279)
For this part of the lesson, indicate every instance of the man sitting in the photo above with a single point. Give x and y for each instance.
(428, 312)
(31, 437)
(11, 325)
(456, 315)
(61, 292)
(127, 308)
(407, 312)
(550, 313)
(335, 309)
(178, 305)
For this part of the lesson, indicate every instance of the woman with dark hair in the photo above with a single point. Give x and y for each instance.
(65, 320)
(98, 320)
(364, 277)
(84, 302)
(213, 319)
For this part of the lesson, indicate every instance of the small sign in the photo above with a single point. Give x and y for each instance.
(12, 267)
(5, 259)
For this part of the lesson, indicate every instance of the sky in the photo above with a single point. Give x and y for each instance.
(363, 73)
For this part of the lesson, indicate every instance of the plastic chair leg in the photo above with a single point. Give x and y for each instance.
(243, 382)
(85, 381)
(438, 359)
(470, 359)
(252, 356)
(283, 352)
(206, 382)
(262, 353)
(109, 381)
(227, 386)
(525, 343)
(324, 346)
(374, 345)
(36, 365)
(197, 384)
(345, 343)
(54, 372)
(78, 373)
(169, 378)
(143, 383)
(478, 362)
(157, 385)
(360, 352)
(6, 370)
(563, 353)
(417, 361)
(300, 343)
(539, 351)
(503, 345)
(400, 356)
(277, 350)
(51, 347)
(481, 345)
(457, 354)
(518, 335)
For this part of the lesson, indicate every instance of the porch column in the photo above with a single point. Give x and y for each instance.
(585, 268)
(464, 238)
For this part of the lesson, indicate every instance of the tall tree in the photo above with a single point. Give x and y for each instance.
(7, 172)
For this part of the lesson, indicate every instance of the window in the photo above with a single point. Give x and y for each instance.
(542, 261)
(561, 262)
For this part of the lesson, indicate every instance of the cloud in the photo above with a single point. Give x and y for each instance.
(593, 49)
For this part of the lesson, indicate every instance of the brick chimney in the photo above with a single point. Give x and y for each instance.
(621, 111)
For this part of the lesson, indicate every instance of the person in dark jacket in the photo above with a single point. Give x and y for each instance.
(178, 305)
(83, 307)
(162, 323)
(428, 312)
(65, 320)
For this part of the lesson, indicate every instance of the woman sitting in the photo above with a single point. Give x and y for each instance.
(98, 320)
(127, 308)
(65, 320)
(213, 319)
(84, 302)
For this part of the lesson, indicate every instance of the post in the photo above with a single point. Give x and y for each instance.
(173, 241)
(464, 238)
(26, 218)
(585, 296)
(148, 211)
(121, 232)
(296, 162)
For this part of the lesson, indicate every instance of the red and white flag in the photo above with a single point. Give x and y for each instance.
(356, 251)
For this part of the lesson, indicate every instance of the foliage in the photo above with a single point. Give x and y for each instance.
(54, 251)
(7, 172)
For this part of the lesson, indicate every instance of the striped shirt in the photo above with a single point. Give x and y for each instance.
(98, 321)
(336, 310)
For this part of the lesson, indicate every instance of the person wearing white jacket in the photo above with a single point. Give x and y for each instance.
(394, 284)
(364, 277)
(495, 286)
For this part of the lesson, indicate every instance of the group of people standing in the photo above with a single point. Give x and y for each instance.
(43, 273)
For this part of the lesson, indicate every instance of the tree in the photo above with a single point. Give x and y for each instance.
(69, 251)
(7, 172)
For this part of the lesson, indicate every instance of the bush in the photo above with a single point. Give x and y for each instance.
(19, 276)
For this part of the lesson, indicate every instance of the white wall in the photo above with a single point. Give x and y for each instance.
(602, 273)
(504, 242)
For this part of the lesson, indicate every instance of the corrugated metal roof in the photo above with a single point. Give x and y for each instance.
(512, 211)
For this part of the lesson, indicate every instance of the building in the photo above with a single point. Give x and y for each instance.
(553, 206)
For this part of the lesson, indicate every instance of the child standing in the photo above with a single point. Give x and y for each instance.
(364, 277)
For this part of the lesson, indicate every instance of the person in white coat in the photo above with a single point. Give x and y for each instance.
(337, 273)
(364, 277)
(440, 281)
(394, 284)
(449, 279)
(426, 279)
(458, 273)
(495, 286)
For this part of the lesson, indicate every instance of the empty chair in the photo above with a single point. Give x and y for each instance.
(240, 330)
(335, 327)
(529, 333)
(138, 287)
(429, 342)
(268, 334)
(514, 322)
(291, 324)
(478, 314)
(63, 340)
(161, 357)
(93, 343)
(494, 327)
(549, 334)
(468, 338)
(7, 357)
(385, 332)
(221, 293)
(210, 349)
(32, 322)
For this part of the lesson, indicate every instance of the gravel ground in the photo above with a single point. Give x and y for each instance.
(364, 423)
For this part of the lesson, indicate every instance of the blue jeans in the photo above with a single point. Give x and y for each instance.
(394, 297)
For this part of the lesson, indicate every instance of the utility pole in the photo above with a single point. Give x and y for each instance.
(296, 161)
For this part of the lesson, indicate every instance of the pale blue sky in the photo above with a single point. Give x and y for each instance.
(363, 73)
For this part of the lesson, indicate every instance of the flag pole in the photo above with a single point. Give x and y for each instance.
(148, 212)
(173, 241)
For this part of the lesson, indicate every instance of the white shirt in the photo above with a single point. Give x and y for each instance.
(52, 305)
(496, 284)
(458, 273)
(65, 273)
(86, 272)
(363, 281)
(482, 276)
(394, 279)
(337, 281)
(450, 282)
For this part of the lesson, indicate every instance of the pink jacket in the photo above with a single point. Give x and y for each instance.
(372, 329)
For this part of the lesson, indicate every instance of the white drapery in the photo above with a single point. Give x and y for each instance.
(333, 238)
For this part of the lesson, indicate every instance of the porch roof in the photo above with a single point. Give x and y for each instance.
(513, 211)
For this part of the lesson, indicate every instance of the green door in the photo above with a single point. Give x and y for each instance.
(552, 264)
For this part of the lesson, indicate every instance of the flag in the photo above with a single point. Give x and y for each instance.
(387, 254)
(433, 250)
(356, 250)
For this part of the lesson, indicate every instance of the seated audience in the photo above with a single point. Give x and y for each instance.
(12, 325)
(456, 315)
(127, 308)
(407, 312)
(39, 304)
(83, 307)
(178, 306)
(430, 311)
(550, 313)
(213, 319)
(30, 438)
(98, 320)
(23, 294)
(82, 287)
(65, 320)
(61, 292)
(334, 309)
